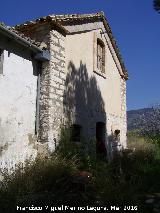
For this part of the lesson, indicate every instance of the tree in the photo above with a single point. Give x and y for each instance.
(156, 5)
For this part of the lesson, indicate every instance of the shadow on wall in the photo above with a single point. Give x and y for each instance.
(84, 108)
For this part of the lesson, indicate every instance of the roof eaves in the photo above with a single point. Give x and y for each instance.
(58, 19)
(115, 46)
(41, 54)
(67, 17)
(19, 37)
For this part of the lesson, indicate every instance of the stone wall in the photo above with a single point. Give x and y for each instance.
(118, 122)
(123, 113)
(74, 54)
(52, 90)
(67, 82)
(51, 82)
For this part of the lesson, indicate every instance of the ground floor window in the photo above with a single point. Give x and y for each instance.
(117, 134)
(76, 133)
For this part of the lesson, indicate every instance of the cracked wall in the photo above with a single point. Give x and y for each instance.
(18, 90)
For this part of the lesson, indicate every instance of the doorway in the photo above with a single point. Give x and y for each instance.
(100, 138)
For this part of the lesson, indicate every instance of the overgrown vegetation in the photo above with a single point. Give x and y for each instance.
(60, 179)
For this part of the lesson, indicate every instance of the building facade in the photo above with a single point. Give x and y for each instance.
(80, 79)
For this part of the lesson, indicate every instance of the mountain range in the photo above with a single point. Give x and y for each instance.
(144, 119)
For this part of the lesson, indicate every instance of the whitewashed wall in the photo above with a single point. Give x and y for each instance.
(110, 90)
(18, 88)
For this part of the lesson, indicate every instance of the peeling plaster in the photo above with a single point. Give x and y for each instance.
(18, 90)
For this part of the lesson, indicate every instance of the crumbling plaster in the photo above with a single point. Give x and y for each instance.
(18, 91)
(72, 53)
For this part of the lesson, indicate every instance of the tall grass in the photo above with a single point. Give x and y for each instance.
(51, 181)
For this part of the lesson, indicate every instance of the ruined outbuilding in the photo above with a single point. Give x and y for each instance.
(56, 69)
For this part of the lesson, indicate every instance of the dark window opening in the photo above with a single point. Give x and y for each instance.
(116, 140)
(100, 137)
(117, 135)
(1, 60)
(76, 133)
(100, 56)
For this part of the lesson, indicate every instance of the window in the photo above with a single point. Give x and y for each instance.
(117, 135)
(100, 56)
(1, 60)
(76, 133)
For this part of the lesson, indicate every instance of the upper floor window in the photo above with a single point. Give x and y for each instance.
(1, 60)
(100, 56)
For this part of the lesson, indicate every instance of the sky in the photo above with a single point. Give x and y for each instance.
(135, 25)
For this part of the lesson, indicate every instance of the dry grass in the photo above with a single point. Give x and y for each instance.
(50, 181)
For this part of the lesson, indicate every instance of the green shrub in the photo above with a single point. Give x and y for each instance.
(49, 181)
(38, 182)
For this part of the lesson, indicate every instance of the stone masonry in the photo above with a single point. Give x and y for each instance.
(58, 84)
(123, 113)
(53, 81)
(52, 90)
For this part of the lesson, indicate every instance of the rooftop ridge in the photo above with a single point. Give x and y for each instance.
(73, 17)
(63, 17)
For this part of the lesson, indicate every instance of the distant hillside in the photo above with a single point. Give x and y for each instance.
(147, 118)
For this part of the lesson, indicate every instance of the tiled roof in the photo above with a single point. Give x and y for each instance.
(75, 17)
(22, 36)
(67, 17)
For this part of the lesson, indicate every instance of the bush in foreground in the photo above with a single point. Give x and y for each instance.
(83, 179)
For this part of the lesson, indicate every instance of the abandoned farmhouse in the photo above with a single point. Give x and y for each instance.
(56, 71)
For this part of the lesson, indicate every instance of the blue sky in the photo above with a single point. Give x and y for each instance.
(135, 26)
